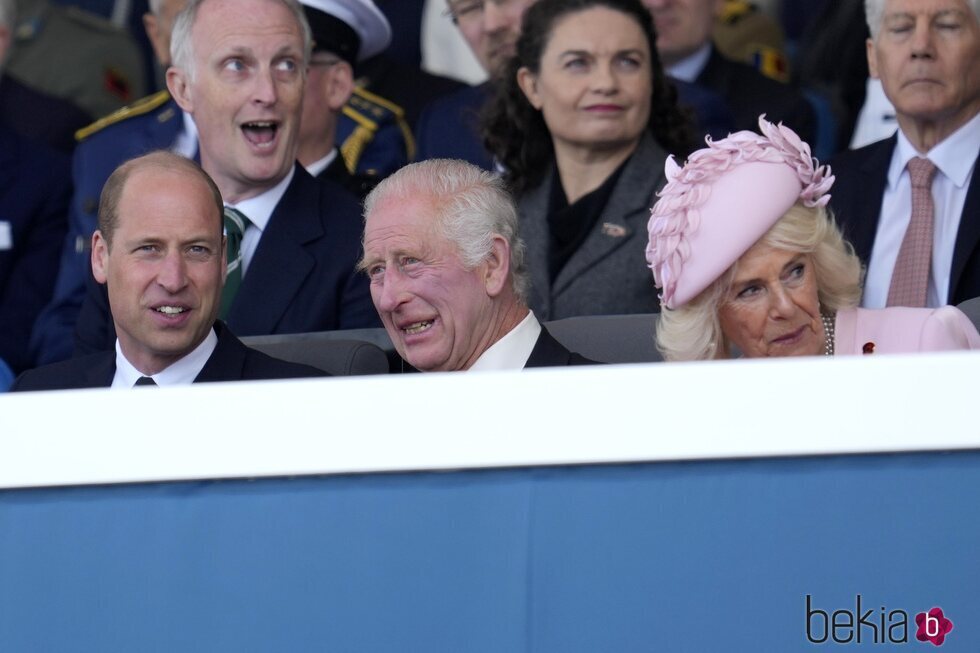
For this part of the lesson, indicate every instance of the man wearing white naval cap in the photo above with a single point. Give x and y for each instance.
(344, 33)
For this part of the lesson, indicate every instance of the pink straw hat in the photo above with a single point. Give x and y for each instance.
(726, 197)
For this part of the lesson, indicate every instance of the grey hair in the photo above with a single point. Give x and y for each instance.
(181, 46)
(473, 206)
(155, 6)
(693, 331)
(874, 11)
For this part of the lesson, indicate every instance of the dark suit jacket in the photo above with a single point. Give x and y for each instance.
(302, 278)
(862, 175)
(548, 352)
(449, 128)
(230, 361)
(750, 93)
(34, 193)
(95, 158)
(40, 116)
(608, 274)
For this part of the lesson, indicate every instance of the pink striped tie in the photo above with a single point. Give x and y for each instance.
(910, 278)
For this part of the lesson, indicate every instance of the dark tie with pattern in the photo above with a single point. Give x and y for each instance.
(910, 278)
(145, 380)
(235, 225)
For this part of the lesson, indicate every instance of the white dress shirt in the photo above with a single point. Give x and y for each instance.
(688, 68)
(186, 142)
(512, 351)
(954, 158)
(182, 372)
(259, 210)
(320, 165)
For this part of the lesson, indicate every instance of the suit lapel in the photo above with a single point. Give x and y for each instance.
(547, 352)
(281, 263)
(625, 213)
(968, 235)
(101, 370)
(227, 361)
(534, 231)
(874, 178)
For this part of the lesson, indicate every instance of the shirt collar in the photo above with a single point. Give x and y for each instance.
(319, 166)
(688, 68)
(259, 209)
(182, 372)
(954, 156)
(512, 351)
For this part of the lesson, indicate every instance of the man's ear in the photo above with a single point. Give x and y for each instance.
(179, 86)
(341, 85)
(100, 257)
(529, 85)
(872, 59)
(497, 266)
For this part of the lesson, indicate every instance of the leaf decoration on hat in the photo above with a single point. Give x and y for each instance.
(676, 215)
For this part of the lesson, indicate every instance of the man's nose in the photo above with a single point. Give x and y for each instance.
(392, 292)
(172, 274)
(264, 90)
(494, 16)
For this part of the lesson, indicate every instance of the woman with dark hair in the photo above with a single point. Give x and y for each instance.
(582, 124)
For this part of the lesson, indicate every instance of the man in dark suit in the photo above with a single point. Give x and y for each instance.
(447, 271)
(684, 43)
(926, 59)
(301, 238)
(34, 192)
(160, 251)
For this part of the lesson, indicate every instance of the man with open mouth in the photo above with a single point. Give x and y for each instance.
(447, 272)
(239, 69)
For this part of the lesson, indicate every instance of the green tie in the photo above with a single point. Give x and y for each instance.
(235, 224)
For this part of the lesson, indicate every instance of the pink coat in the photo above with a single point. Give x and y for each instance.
(903, 330)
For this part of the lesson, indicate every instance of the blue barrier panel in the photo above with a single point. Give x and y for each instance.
(673, 556)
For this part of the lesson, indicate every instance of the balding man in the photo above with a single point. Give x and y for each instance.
(447, 272)
(160, 250)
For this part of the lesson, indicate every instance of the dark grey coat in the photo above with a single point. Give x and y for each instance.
(608, 275)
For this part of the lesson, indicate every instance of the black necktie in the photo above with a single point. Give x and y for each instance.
(145, 380)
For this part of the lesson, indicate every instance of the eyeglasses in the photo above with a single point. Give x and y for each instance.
(470, 11)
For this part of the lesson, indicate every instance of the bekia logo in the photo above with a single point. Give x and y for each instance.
(880, 626)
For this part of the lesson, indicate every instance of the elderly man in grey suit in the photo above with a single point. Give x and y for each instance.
(447, 272)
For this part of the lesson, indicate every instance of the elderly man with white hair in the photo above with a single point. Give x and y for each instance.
(447, 271)
(910, 204)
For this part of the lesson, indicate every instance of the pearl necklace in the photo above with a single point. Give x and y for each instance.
(828, 334)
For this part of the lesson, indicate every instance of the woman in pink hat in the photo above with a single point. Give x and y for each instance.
(750, 262)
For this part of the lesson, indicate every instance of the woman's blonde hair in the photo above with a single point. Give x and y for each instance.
(693, 331)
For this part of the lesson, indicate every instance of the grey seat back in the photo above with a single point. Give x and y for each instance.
(339, 357)
(609, 338)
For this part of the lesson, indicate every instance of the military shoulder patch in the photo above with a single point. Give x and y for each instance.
(138, 108)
